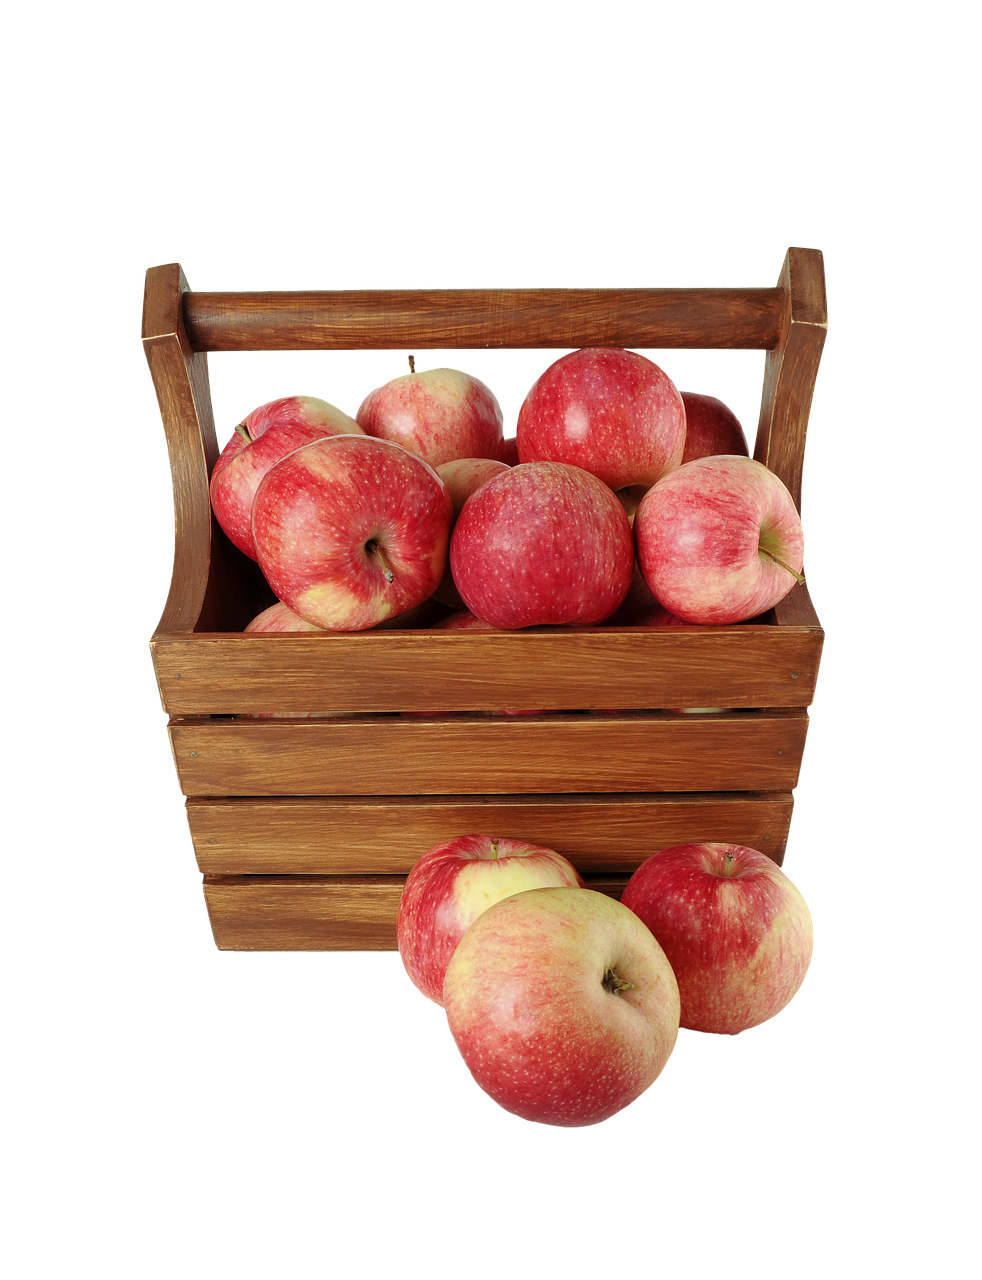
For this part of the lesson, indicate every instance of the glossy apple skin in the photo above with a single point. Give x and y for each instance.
(736, 931)
(530, 1014)
(509, 452)
(321, 511)
(542, 544)
(462, 477)
(710, 427)
(276, 429)
(440, 414)
(280, 617)
(452, 884)
(700, 533)
(463, 620)
(612, 412)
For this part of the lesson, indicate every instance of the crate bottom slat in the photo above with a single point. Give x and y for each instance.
(355, 835)
(317, 913)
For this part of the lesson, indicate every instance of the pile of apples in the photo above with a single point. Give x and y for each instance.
(565, 1004)
(619, 500)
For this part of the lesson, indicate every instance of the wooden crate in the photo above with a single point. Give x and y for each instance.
(304, 829)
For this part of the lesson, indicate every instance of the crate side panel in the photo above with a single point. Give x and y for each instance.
(745, 666)
(735, 751)
(354, 835)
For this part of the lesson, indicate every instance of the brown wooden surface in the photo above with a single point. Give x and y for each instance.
(791, 368)
(316, 913)
(470, 755)
(747, 666)
(451, 318)
(213, 585)
(352, 835)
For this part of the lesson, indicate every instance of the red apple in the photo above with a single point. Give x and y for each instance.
(463, 620)
(563, 1006)
(719, 540)
(462, 477)
(509, 453)
(543, 543)
(452, 884)
(710, 427)
(465, 476)
(268, 434)
(636, 604)
(350, 531)
(612, 412)
(736, 930)
(440, 414)
(279, 617)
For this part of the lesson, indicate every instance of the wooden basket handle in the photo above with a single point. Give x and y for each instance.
(179, 327)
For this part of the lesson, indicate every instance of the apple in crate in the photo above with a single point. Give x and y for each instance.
(452, 884)
(351, 530)
(440, 414)
(509, 452)
(615, 413)
(268, 434)
(719, 540)
(279, 617)
(544, 543)
(710, 427)
(462, 477)
(562, 1004)
(463, 620)
(736, 930)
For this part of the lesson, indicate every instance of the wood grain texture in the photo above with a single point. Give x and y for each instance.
(745, 666)
(351, 320)
(791, 368)
(356, 835)
(637, 751)
(213, 585)
(316, 913)
(350, 796)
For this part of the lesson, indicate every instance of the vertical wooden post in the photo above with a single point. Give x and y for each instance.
(791, 367)
(214, 586)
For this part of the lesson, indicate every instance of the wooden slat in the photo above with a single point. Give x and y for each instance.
(356, 835)
(575, 669)
(733, 751)
(474, 318)
(306, 913)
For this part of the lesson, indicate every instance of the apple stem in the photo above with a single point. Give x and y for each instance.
(494, 848)
(243, 431)
(727, 864)
(376, 550)
(614, 984)
(771, 556)
(412, 364)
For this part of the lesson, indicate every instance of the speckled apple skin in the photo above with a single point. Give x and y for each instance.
(528, 1010)
(452, 884)
(710, 427)
(318, 508)
(699, 532)
(738, 939)
(544, 543)
(440, 414)
(614, 413)
(277, 429)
